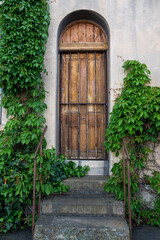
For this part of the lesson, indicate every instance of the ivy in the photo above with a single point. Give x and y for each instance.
(24, 28)
(135, 117)
(24, 34)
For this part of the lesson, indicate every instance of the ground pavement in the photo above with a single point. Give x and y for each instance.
(139, 233)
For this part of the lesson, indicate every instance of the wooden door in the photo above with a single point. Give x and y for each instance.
(83, 92)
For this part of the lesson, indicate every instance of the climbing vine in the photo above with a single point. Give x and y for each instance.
(24, 29)
(135, 117)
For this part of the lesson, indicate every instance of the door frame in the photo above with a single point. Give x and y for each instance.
(100, 45)
(102, 22)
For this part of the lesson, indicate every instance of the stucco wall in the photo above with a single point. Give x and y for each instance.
(134, 34)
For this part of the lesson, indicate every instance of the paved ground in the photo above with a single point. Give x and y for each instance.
(139, 233)
(146, 233)
(20, 235)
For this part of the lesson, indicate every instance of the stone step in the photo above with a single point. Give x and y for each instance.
(82, 205)
(81, 228)
(86, 212)
(86, 185)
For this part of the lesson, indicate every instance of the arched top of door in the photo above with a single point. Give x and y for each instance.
(83, 35)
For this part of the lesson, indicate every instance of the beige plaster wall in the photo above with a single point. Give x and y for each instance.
(134, 34)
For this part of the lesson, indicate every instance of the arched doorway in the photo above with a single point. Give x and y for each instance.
(83, 90)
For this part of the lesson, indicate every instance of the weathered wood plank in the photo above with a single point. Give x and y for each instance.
(82, 32)
(83, 78)
(94, 46)
(97, 35)
(83, 129)
(64, 83)
(103, 37)
(74, 33)
(100, 133)
(91, 80)
(74, 78)
(89, 32)
(91, 135)
(74, 130)
(66, 37)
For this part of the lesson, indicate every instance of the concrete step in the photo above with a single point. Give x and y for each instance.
(86, 212)
(87, 184)
(81, 228)
(82, 205)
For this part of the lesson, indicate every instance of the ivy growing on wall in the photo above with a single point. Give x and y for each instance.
(136, 118)
(24, 27)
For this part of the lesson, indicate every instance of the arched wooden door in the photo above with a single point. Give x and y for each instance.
(83, 86)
